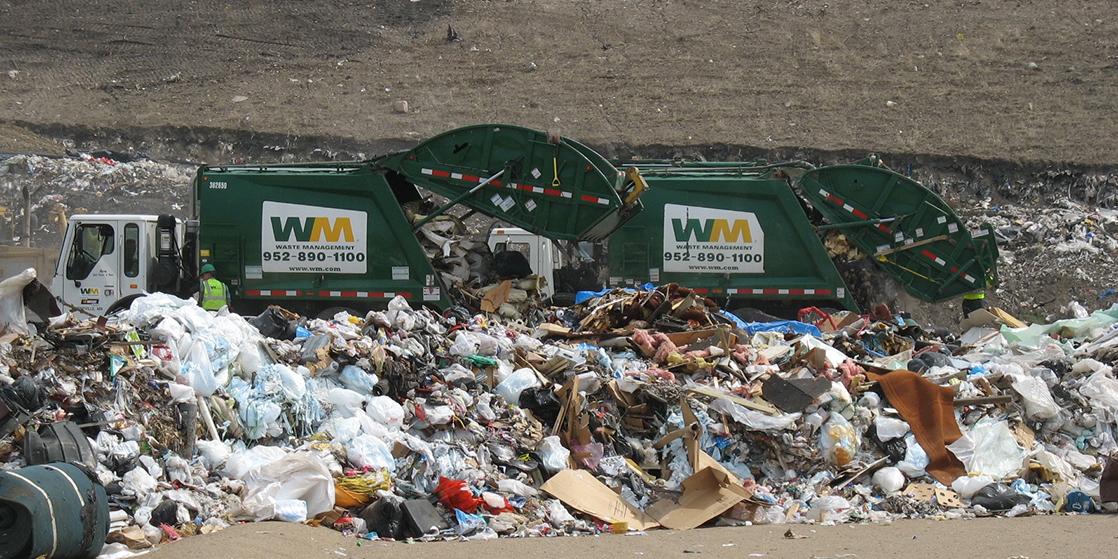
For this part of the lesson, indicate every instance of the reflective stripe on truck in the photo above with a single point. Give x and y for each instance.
(329, 294)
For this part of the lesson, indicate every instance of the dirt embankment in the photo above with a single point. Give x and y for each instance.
(1028, 80)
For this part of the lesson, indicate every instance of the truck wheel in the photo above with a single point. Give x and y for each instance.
(122, 304)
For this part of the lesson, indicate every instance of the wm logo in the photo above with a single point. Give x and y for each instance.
(89, 290)
(312, 229)
(712, 231)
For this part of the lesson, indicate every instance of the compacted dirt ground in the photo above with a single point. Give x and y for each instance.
(1029, 80)
(1007, 538)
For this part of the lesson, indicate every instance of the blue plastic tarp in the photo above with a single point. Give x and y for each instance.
(793, 326)
(583, 296)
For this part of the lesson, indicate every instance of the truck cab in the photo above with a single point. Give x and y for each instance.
(543, 255)
(109, 258)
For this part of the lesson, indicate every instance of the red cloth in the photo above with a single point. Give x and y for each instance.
(455, 494)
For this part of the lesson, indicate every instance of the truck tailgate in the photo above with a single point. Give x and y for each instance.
(909, 230)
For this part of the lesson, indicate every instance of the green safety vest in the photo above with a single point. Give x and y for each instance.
(214, 295)
(974, 295)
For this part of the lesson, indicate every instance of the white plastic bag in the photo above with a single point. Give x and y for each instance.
(213, 453)
(1039, 404)
(385, 411)
(240, 464)
(356, 379)
(753, 420)
(1102, 390)
(250, 357)
(967, 486)
(889, 479)
(298, 476)
(198, 371)
(290, 510)
(168, 329)
(915, 459)
(465, 343)
(553, 454)
(995, 452)
(829, 509)
(889, 428)
(519, 381)
(342, 429)
(517, 488)
(138, 482)
(367, 451)
(346, 403)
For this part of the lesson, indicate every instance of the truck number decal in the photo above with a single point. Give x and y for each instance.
(712, 241)
(311, 239)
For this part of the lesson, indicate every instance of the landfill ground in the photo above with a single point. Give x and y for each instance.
(1003, 538)
(849, 437)
(957, 79)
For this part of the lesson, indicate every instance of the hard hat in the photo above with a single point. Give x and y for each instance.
(208, 268)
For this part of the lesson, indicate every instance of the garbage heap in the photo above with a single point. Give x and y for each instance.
(503, 283)
(60, 187)
(630, 411)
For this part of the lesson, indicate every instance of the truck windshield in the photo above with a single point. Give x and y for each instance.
(91, 242)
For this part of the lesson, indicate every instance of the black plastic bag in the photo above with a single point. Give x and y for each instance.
(998, 496)
(385, 517)
(272, 324)
(541, 401)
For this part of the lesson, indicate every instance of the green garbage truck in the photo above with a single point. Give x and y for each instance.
(324, 236)
(750, 233)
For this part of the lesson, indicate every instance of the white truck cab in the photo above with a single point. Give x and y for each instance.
(542, 253)
(106, 258)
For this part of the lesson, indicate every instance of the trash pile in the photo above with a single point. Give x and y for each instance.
(502, 283)
(1077, 245)
(89, 183)
(632, 410)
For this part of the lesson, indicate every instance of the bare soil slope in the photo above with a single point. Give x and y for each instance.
(1027, 80)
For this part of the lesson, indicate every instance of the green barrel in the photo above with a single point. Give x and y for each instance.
(54, 511)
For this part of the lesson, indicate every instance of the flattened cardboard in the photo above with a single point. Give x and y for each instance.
(923, 492)
(948, 499)
(706, 495)
(979, 318)
(581, 491)
(755, 404)
(724, 337)
(1007, 318)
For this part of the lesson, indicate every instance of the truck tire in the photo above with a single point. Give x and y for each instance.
(122, 304)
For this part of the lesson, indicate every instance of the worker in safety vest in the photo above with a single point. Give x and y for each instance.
(973, 301)
(212, 294)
